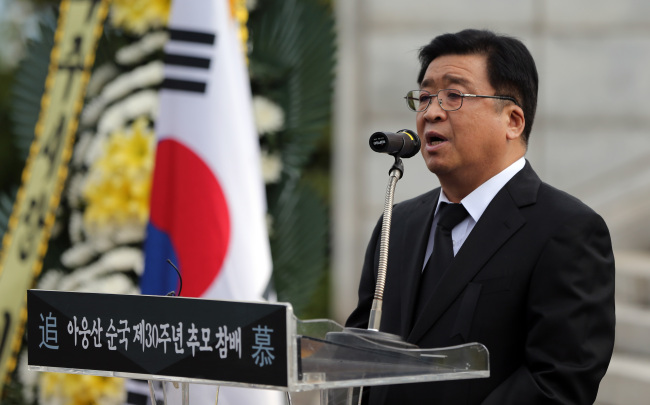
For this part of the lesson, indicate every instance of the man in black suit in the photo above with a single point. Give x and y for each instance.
(533, 273)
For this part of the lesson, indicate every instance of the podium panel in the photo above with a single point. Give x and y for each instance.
(228, 343)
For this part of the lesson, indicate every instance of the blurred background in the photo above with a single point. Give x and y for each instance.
(333, 73)
(591, 135)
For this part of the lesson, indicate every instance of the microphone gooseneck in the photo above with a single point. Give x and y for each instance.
(180, 280)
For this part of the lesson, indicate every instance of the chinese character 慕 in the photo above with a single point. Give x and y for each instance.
(263, 354)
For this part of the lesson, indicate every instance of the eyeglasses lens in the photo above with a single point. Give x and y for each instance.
(419, 100)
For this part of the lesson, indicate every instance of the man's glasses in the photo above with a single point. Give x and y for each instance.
(448, 99)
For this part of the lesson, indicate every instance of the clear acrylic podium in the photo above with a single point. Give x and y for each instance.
(335, 361)
(87, 334)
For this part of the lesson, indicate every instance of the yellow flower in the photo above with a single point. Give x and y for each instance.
(119, 182)
(76, 389)
(239, 12)
(139, 16)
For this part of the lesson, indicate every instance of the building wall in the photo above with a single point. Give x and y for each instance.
(591, 135)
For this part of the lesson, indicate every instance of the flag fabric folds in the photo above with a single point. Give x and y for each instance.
(208, 208)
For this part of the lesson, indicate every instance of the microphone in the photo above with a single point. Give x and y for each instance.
(405, 143)
(180, 279)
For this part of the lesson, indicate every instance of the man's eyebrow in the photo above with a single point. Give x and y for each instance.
(448, 79)
(454, 79)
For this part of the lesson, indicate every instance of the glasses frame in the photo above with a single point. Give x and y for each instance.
(463, 95)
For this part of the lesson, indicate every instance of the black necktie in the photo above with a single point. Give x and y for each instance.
(450, 215)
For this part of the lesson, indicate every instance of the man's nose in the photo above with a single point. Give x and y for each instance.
(435, 111)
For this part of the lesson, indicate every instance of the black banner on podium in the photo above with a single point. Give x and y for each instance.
(165, 336)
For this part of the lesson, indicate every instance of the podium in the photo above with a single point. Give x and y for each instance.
(228, 343)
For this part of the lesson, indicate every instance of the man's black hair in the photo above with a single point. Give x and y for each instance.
(510, 66)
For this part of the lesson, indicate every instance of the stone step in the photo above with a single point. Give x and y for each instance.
(627, 381)
(633, 277)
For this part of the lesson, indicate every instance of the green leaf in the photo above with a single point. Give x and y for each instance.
(6, 206)
(29, 84)
(298, 243)
(293, 64)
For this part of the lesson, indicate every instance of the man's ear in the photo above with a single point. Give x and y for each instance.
(515, 122)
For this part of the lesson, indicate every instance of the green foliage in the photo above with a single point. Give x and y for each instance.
(298, 243)
(292, 63)
(29, 85)
(6, 205)
(20, 101)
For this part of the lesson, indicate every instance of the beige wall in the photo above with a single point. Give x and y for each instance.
(591, 135)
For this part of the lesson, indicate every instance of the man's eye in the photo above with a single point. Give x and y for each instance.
(453, 96)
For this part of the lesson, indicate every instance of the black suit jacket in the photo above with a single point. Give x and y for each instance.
(533, 282)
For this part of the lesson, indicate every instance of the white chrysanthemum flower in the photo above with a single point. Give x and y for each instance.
(57, 227)
(76, 227)
(94, 150)
(72, 281)
(102, 239)
(92, 111)
(269, 117)
(139, 104)
(118, 260)
(50, 280)
(115, 117)
(271, 167)
(154, 42)
(111, 120)
(99, 78)
(28, 378)
(113, 284)
(130, 233)
(78, 255)
(124, 259)
(17, 23)
(73, 190)
(81, 148)
(150, 74)
(135, 53)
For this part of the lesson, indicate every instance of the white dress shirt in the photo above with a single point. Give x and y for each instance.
(475, 203)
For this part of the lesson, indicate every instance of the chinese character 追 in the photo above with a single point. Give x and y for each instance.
(263, 355)
(48, 333)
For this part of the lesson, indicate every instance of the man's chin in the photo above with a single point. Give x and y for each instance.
(436, 167)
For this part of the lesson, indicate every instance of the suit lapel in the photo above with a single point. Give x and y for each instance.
(498, 223)
(420, 222)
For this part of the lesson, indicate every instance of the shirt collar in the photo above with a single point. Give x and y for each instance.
(477, 201)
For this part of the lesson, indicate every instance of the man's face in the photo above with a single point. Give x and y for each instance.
(467, 146)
